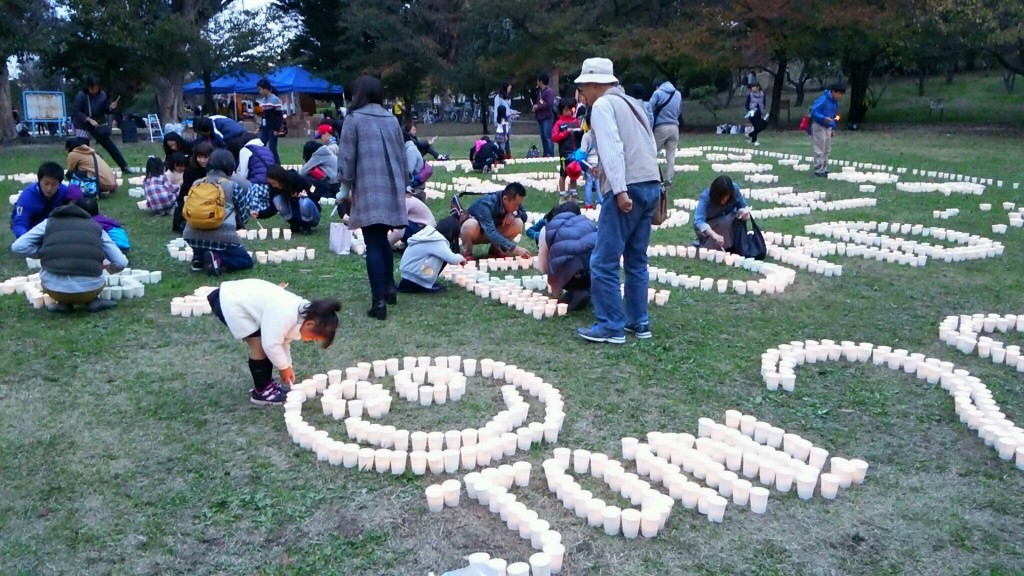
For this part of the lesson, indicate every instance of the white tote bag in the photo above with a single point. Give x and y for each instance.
(340, 240)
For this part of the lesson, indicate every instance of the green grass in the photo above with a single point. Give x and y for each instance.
(128, 445)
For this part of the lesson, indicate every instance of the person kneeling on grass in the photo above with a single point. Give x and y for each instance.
(718, 207)
(496, 218)
(564, 249)
(72, 248)
(268, 317)
(111, 226)
(37, 201)
(220, 249)
(428, 252)
(294, 197)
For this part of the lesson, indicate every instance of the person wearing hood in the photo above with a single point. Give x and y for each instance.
(84, 160)
(72, 248)
(88, 117)
(320, 168)
(254, 162)
(426, 255)
(824, 114)
(666, 106)
(372, 166)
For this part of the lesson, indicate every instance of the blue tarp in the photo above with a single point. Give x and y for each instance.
(292, 79)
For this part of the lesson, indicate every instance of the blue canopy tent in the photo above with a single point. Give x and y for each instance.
(234, 83)
(298, 80)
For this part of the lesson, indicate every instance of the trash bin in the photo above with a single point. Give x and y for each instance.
(129, 129)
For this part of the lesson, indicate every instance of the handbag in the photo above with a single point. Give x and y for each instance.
(100, 131)
(90, 186)
(340, 239)
(748, 243)
(661, 209)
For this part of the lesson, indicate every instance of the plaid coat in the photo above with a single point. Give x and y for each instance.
(371, 159)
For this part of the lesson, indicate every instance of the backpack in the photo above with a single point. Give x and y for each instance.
(533, 152)
(204, 207)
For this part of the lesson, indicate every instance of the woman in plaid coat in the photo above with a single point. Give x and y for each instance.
(371, 163)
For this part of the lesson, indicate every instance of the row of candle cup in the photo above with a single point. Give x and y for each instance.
(539, 564)
(297, 254)
(983, 411)
(490, 487)
(850, 174)
(945, 188)
(741, 168)
(796, 257)
(1008, 206)
(761, 178)
(971, 246)
(732, 157)
(770, 285)
(945, 214)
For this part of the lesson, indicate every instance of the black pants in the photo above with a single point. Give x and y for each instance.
(380, 260)
(759, 125)
(113, 150)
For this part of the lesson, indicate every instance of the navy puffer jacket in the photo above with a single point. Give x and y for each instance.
(571, 239)
(261, 159)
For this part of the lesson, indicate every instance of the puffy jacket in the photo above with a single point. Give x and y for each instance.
(227, 128)
(72, 243)
(571, 239)
(423, 259)
(260, 158)
(825, 107)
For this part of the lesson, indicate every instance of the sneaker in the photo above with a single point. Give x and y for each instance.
(823, 173)
(641, 331)
(597, 334)
(196, 266)
(211, 263)
(575, 197)
(757, 143)
(99, 305)
(588, 206)
(443, 157)
(269, 396)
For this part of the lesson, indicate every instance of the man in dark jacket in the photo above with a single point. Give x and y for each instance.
(496, 218)
(223, 132)
(72, 248)
(90, 108)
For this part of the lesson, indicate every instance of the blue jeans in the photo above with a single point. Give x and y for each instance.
(625, 235)
(308, 214)
(590, 188)
(547, 144)
(234, 258)
(269, 138)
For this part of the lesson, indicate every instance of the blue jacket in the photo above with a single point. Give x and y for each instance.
(706, 211)
(32, 208)
(670, 102)
(260, 159)
(825, 107)
(227, 128)
(571, 239)
(489, 211)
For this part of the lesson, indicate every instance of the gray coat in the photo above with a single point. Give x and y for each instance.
(371, 160)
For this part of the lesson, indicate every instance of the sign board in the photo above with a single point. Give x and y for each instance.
(43, 106)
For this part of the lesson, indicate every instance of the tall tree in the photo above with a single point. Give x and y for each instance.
(19, 37)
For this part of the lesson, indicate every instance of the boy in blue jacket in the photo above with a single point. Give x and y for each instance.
(37, 201)
(824, 115)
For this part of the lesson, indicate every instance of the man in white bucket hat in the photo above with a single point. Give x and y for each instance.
(630, 187)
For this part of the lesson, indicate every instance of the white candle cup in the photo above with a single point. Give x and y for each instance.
(829, 486)
(366, 458)
(747, 425)
(610, 519)
(398, 461)
(382, 460)
(556, 555)
(581, 461)
(805, 484)
(426, 394)
(536, 528)
(758, 500)
(562, 456)
(418, 462)
(716, 508)
(522, 473)
(452, 492)
(435, 498)
(629, 448)
(741, 492)
(451, 460)
(732, 418)
(690, 495)
(540, 564)
(784, 479)
(860, 470)
(435, 461)
(498, 565)
(595, 512)
(630, 519)
(469, 366)
(518, 569)
(478, 558)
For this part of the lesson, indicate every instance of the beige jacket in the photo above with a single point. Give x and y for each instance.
(81, 158)
(625, 143)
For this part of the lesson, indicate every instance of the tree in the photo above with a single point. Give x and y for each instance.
(1000, 21)
(19, 37)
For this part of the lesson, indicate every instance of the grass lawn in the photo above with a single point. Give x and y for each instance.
(128, 444)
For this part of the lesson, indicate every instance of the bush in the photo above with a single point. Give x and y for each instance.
(707, 96)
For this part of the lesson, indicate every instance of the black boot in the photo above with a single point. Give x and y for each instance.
(391, 296)
(379, 310)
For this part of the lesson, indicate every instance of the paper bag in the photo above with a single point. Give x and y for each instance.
(340, 240)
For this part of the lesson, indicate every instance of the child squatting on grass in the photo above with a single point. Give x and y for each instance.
(268, 317)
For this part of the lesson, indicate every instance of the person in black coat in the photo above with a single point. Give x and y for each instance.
(196, 171)
(89, 112)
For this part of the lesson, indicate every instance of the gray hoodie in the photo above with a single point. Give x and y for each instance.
(670, 101)
(428, 250)
(326, 160)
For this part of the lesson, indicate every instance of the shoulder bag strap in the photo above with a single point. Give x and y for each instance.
(636, 114)
(96, 167)
(662, 105)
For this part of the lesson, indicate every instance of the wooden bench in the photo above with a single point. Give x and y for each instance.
(935, 104)
(785, 105)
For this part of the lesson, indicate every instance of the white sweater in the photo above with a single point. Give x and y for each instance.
(625, 145)
(253, 304)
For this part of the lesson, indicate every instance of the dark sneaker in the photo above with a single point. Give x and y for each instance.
(641, 331)
(269, 396)
(211, 263)
(822, 174)
(598, 334)
(59, 308)
(196, 266)
(99, 305)
(444, 157)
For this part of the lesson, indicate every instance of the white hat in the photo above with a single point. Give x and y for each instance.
(597, 71)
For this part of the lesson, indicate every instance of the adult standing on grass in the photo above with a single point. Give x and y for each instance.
(544, 112)
(630, 183)
(72, 248)
(273, 116)
(267, 318)
(824, 114)
(666, 106)
(755, 112)
(371, 164)
(91, 107)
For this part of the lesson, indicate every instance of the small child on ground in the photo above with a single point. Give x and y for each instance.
(160, 193)
(566, 133)
(176, 171)
(267, 318)
(111, 226)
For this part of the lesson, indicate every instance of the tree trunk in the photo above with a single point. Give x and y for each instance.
(777, 85)
(168, 97)
(860, 76)
(7, 131)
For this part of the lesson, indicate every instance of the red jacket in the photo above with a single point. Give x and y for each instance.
(566, 132)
